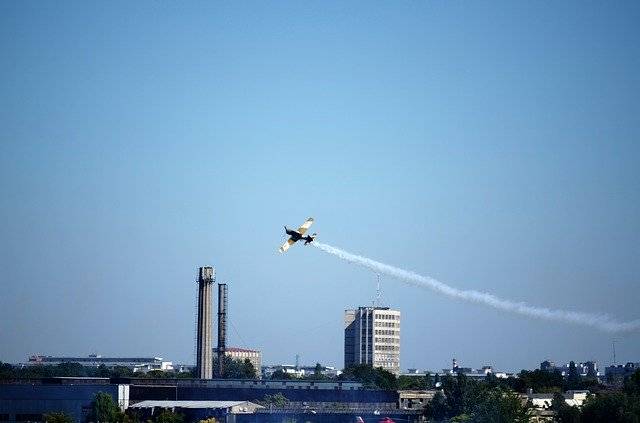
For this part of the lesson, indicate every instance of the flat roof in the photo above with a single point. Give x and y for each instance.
(191, 404)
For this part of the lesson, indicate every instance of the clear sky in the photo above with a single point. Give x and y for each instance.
(491, 145)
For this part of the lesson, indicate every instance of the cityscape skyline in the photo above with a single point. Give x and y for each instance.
(493, 147)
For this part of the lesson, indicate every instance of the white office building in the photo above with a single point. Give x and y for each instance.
(372, 336)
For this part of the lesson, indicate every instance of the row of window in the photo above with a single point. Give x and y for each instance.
(387, 357)
(387, 340)
(387, 317)
(387, 332)
(387, 325)
(387, 348)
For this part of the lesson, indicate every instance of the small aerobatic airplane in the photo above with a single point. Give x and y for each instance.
(295, 236)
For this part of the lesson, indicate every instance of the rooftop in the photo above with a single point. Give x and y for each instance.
(191, 404)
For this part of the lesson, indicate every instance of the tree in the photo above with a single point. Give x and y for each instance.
(277, 400)
(437, 409)
(564, 412)
(280, 375)
(57, 417)
(499, 405)
(168, 416)
(370, 377)
(317, 372)
(104, 409)
(538, 380)
(209, 420)
(412, 382)
(236, 369)
(428, 381)
(632, 384)
(611, 407)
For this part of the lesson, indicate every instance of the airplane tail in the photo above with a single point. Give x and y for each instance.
(310, 238)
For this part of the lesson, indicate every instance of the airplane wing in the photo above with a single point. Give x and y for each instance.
(286, 245)
(306, 225)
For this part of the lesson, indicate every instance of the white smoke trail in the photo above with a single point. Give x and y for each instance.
(599, 321)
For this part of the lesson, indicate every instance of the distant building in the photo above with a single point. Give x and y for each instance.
(616, 374)
(544, 401)
(254, 356)
(372, 336)
(414, 399)
(587, 368)
(299, 372)
(136, 364)
(477, 374)
(288, 369)
(548, 366)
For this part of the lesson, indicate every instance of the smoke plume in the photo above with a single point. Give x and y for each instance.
(598, 321)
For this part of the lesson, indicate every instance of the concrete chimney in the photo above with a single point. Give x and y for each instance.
(204, 359)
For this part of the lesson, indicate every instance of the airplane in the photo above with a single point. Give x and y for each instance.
(295, 236)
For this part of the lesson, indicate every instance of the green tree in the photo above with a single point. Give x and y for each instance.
(412, 382)
(428, 381)
(277, 400)
(437, 408)
(317, 372)
(104, 409)
(168, 416)
(6, 371)
(280, 375)
(57, 417)
(500, 405)
(236, 369)
(632, 384)
(564, 412)
(370, 377)
(538, 380)
(611, 407)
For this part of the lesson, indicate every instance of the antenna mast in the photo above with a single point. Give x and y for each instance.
(378, 292)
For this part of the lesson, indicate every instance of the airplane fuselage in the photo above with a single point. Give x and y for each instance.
(295, 235)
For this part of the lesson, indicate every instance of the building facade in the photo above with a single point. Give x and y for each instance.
(372, 336)
(242, 354)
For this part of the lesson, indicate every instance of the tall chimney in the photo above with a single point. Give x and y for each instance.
(204, 359)
(222, 327)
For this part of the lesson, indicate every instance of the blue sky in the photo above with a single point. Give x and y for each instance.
(492, 145)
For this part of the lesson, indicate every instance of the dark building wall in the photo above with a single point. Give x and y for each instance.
(145, 392)
(18, 400)
(265, 417)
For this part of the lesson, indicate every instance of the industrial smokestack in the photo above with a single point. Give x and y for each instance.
(204, 359)
(222, 327)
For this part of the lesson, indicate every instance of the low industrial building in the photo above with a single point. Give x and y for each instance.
(415, 399)
(197, 410)
(29, 400)
(136, 364)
